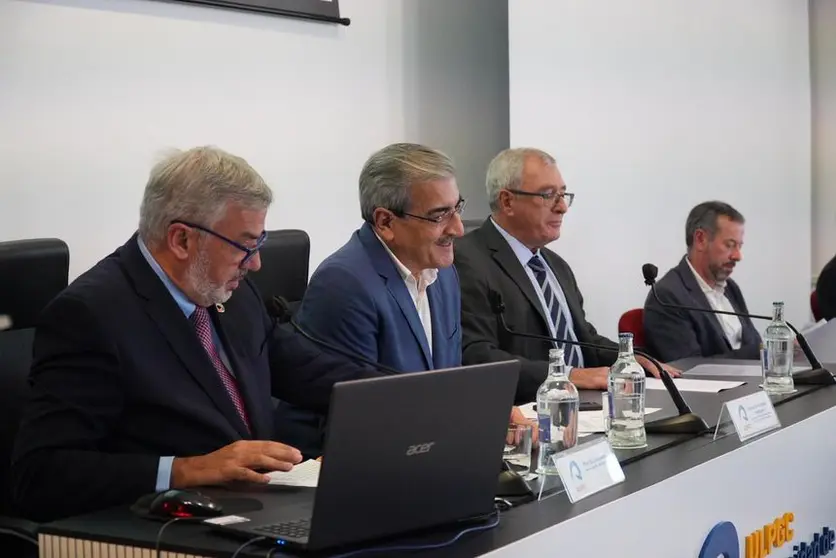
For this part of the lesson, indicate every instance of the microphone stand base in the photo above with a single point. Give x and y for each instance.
(813, 377)
(687, 423)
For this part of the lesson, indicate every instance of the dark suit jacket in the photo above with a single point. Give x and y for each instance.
(826, 290)
(357, 300)
(486, 264)
(674, 334)
(119, 379)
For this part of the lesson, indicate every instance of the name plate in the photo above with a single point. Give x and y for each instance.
(587, 469)
(753, 415)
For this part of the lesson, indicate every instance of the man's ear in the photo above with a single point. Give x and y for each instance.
(383, 219)
(505, 202)
(701, 239)
(179, 239)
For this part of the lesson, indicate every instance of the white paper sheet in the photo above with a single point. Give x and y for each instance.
(751, 370)
(304, 474)
(589, 422)
(690, 384)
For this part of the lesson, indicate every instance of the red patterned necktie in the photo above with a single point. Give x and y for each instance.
(200, 319)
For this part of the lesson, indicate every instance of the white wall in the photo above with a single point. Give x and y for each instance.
(823, 77)
(91, 91)
(653, 106)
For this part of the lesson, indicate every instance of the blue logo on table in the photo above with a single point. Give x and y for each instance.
(741, 412)
(723, 541)
(575, 470)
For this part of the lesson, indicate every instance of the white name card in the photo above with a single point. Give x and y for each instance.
(753, 415)
(588, 468)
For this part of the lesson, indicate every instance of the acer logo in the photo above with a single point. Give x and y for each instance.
(420, 448)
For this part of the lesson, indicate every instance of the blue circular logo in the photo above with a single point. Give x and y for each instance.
(722, 541)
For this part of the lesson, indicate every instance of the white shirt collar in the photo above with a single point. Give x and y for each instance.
(706, 288)
(426, 278)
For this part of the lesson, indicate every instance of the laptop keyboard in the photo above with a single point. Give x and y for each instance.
(299, 529)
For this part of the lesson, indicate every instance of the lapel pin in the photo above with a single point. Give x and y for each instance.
(219, 308)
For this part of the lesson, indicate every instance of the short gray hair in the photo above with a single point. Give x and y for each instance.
(196, 186)
(388, 175)
(506, 171)
(704, 216)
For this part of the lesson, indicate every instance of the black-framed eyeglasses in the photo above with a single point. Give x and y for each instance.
(553, 197)
(248, 252)
(441, 216)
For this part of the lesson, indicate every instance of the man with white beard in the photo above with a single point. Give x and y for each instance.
(148, 374)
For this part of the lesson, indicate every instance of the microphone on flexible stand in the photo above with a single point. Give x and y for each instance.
(686, 422)
(816, 376)
(279, 309)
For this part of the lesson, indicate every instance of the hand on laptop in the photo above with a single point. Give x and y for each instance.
(238, 461)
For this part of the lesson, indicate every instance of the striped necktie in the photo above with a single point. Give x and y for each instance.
(556, 314)
(201, 321)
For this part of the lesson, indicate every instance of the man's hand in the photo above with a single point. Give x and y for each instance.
(590, 378)
(649, 366)
(239, 461)
(517, 417)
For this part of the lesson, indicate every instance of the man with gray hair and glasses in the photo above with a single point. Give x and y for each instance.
(714, 239)
(507, 255)
(148, 373)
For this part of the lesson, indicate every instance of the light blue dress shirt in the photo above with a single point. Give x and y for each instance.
(524, 254)
(188, 308)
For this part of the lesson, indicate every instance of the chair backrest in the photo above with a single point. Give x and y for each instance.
(15, 360)
(471, 224)
(285, 258)
(632, 321)
(32, 273)
(814, 305)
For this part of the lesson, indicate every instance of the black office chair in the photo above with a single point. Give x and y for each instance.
(472, 224)
(285, 258)
(32, 273)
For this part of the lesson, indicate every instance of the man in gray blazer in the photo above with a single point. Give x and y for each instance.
(507, 255)
(714, 237)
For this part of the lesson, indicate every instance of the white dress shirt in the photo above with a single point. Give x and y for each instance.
(718, 300)
(417, 288)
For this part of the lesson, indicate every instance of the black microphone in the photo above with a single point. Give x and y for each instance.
(686, 422)
(816, 376)
(279, 309)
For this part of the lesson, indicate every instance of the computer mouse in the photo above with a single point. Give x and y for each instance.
(512, 484)
(183, 503)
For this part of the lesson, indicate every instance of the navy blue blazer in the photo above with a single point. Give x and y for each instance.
(119, 379)
(674, 334)
(358, 300)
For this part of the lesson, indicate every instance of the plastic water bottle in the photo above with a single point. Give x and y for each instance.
(557, 413)
(625, 392)
(777, 353)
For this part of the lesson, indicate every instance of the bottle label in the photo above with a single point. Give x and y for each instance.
(545, 426)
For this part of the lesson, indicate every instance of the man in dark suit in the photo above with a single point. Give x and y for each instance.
(826, 290)
(507, 255)
(714, 237)
(148, 373)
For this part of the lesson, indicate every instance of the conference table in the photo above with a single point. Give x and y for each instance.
(678, 491)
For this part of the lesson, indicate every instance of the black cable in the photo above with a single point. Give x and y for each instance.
(246, 544)
(163, 528)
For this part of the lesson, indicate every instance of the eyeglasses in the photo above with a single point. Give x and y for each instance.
(249, 252)
(441, 216)
(553, 197)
